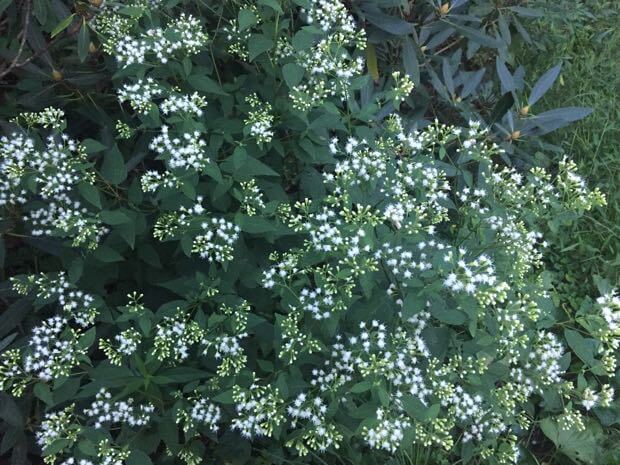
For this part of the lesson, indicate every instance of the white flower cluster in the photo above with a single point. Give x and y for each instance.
(50, 117)
(609, 305)
(126, 344)
(57, 425)
(66, 217)
(309, 414)
(329, 65)
(51, 355)
(259, 121)
(188, 151)
(388, 433)
(545, 359)
(258, 410)
(319, 302)
(252, 199)
(203, 412)
(174, 337)
(216, 244)
(185, 34)
(106, 411)
(79, 305)
(53, 174)
(185, 104)
(140, 94)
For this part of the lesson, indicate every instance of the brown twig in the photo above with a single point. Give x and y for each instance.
(22, 44)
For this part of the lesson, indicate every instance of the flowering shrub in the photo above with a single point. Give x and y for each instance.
(242, 260)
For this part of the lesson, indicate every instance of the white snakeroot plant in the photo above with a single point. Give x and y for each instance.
(303, 274)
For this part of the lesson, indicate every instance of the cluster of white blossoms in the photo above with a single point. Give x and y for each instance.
(53, 350)
(199, 412)
(184, 34)
(294, 342)
(105, 411)
(126, 344)
(259, 121)
(251, 197)
(66, 217)
(389, 431)
(216, 244)
(58, 425)
(52, 175)
(328, 64)
(184, 104)
(174, 336)
(403, 85)
(49, 117)
(609, 305)
(317, 432)
(140, 94)
(226, 342)
(426, 295)
(185, 152)
(258, 410)
(77, 304)
(56, 169)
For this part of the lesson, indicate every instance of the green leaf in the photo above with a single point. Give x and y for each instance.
(64, 24)
(371, 62)
(476, 35)
(543, 84)
(410, 60)
(83, 41)
(259, 44)
(273, 4)
(40, 10)
(4, 5)
(90, 193)
(303, 40)
(246, 19)
(107, 254)
(86, 340)
(293, 74)
(390, 24)
(42, 391)
(113, 167)
(362, 386)
(137, 457)
(93, 146)
(582, 447)
(584, 348)
(114, 217)
(205, 84)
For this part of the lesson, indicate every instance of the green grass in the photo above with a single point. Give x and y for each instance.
(583, 35)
